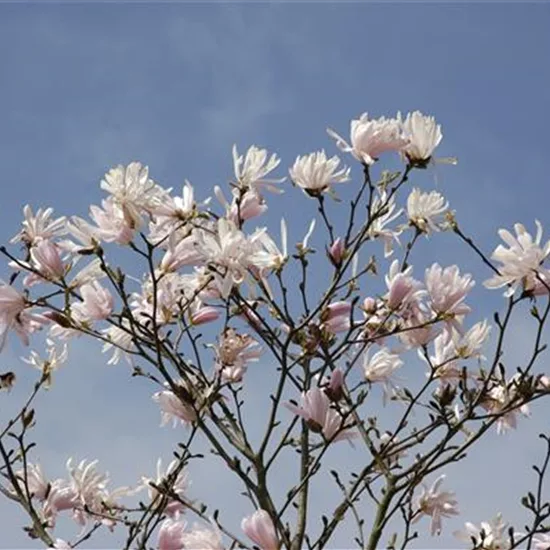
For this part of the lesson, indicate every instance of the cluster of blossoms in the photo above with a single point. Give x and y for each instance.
(85, 493)
(210, 271)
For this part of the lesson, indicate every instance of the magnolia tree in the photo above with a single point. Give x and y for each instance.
(213, 296)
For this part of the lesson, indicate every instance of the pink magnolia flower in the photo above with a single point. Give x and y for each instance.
(36, 481)
(371, 137)
(84, 493)
(204, 314)
(88, 485)
(521, 262)
(97, 303)
(423, 136)
(172, 299)
(436, 504)
(424, 210)
(233, 353)
(260, 529)
(173, 408)
(170, 535)
(419, 330)
(15, 315)
(113, 224)
(244, 206)
(252, 169)
(404, 292)
(47, 261)
(315, 408)
(39, 226)
(447, 290)
(315, 174)
(180, 252)
(176, 478)
(336, 317)
(61, 497)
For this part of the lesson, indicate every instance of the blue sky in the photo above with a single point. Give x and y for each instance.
(88, 86)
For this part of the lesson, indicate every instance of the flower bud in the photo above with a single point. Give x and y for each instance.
(336, 252)
(204, 315)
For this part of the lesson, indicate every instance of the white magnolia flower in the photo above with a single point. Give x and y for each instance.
(436, 504)
(227, 248)
(521, 262)
(371, 137)
(172, 213)
(500, 399)
(60, 544)
(54, 359)
(39, 226)
(425, 209)
(315, 173)
(383, 213)
(202, 538)
(87, 235)
(172, 408)
(490, 535)
(170, 535)
(315, 407)
(381, 366)
(470, 344)
(121, 341)
(252, 169)
(88, 274)
(90, 491)
(423, 136)
(444, 360)
(267, 254)
(450, 348)
(541, 541)
(177, 480)
(132, 190)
